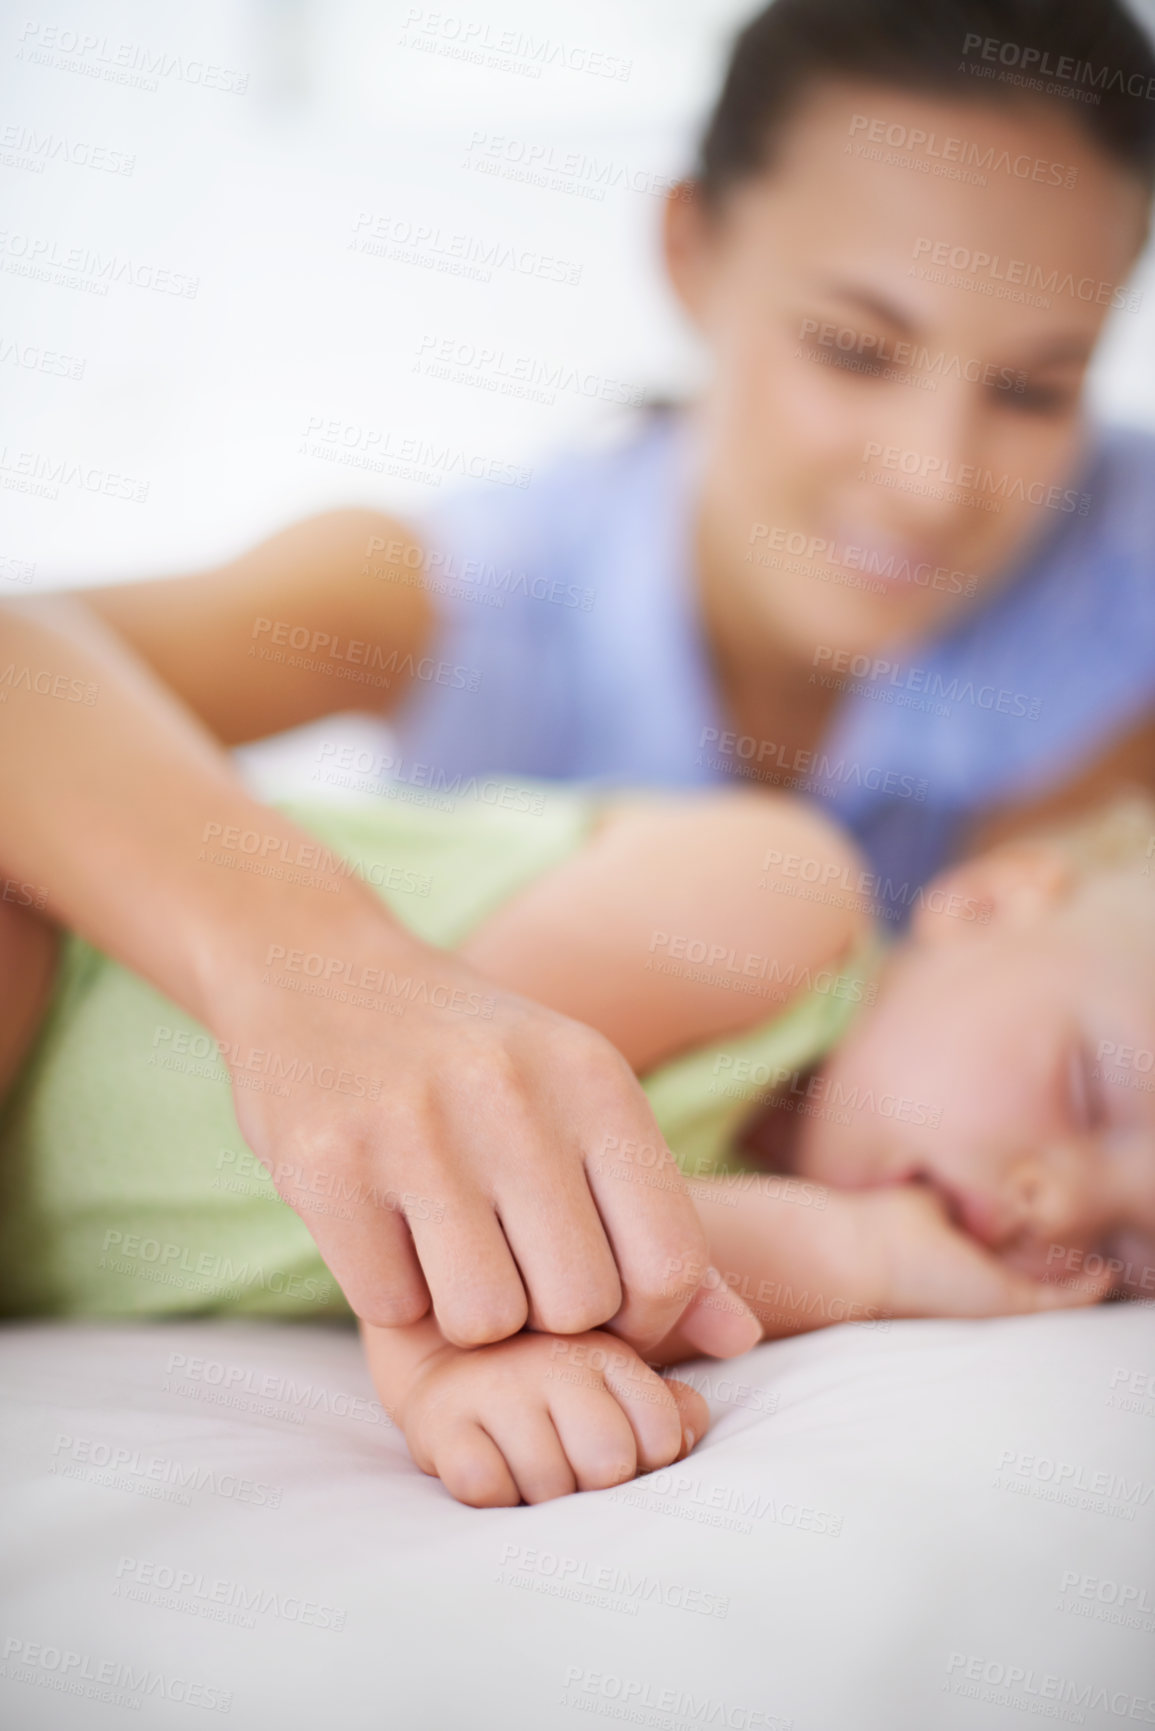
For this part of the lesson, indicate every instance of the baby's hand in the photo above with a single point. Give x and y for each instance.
(925, 1266)
(541, 1415)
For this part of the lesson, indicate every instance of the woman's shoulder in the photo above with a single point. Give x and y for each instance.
(621, 465)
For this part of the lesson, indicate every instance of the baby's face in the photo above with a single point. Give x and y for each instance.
(1012, 1067)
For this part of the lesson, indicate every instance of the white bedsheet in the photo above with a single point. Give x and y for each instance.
(881, 1526)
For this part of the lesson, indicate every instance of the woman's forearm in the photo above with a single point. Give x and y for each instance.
(114, 800)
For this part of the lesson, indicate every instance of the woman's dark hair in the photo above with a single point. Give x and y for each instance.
(1088, 60)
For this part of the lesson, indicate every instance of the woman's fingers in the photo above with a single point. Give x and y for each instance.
(564, 1260)
(478, 1295)
(368, 1247)
(717, 1321)
(657, 1240)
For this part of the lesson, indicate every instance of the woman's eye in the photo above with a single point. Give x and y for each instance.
(1038, 400)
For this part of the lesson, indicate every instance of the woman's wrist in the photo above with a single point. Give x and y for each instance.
(264, 895)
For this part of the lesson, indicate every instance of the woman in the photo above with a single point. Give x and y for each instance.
(822, 503)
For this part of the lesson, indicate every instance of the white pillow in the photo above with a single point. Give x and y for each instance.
(893, 1528)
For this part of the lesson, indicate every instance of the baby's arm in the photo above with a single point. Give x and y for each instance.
(530, 1418)
(803, 1256)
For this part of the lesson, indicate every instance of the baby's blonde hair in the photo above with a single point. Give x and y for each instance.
(1113, 836)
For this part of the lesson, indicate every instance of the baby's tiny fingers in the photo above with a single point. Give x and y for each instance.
(692, 1411)
(535, 1455)
(472, 1468)
(596, 1435)
(650, 1408)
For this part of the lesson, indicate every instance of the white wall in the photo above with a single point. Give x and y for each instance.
(205, 402)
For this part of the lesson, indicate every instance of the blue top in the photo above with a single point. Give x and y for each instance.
(573, 609)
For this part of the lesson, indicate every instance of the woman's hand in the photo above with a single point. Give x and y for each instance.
(461, 1148)
(461, 1133)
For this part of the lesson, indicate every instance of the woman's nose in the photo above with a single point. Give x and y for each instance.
(926, 460)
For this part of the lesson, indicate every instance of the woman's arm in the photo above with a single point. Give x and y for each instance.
(345, 585)
(111, 795)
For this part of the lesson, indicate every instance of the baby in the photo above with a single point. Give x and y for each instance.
(1000, 1083)
(979, 1139)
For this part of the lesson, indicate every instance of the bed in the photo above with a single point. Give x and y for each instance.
(890, 1527)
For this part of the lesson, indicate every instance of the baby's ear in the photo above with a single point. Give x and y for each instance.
(1013, 885)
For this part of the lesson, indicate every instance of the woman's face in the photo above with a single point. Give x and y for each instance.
(898, 354)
